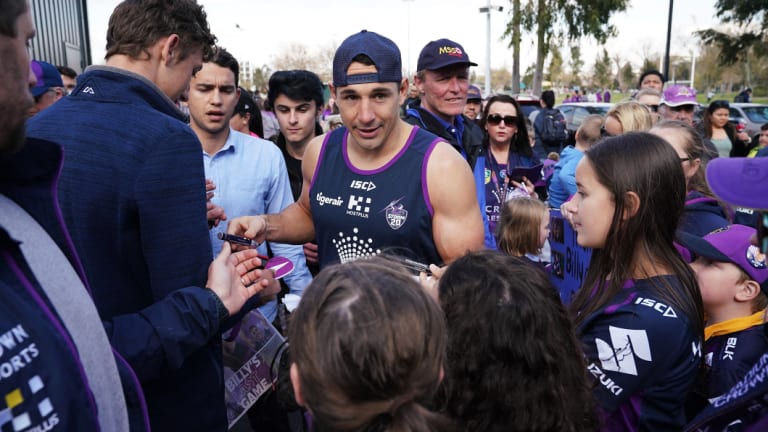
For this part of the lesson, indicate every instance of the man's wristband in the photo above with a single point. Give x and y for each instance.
(222, 310)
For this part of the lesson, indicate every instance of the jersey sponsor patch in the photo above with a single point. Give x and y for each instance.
(626, 344)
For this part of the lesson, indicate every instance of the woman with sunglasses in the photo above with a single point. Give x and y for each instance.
(717, 129)
(505, 147)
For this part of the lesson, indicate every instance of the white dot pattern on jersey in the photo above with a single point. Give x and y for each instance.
(353, 247)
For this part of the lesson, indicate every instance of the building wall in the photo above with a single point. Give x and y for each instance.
(62, 33)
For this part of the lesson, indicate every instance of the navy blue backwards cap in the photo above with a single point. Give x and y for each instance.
(384, 53)
(441, 53)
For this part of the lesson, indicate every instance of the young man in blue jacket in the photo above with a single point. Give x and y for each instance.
(133, 195)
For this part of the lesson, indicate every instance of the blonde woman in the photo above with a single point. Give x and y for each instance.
(627, 117)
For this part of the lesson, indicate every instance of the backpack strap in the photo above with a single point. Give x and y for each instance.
(74, 305)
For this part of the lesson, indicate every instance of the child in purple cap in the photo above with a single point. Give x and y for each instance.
(730, 272)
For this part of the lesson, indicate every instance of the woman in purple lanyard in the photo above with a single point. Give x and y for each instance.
(505, 147)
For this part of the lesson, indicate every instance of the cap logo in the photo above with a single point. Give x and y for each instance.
(755, 258)
(451, 51)
(683, 91)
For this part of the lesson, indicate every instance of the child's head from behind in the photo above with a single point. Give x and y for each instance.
(367, 345)
(729, 269)
(523, 226)
(531, 374)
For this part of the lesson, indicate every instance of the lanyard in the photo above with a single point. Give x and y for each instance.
(492, 164)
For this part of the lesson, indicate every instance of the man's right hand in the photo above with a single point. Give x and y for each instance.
(252, 227)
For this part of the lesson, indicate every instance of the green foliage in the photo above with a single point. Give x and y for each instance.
(627, 77)
(751, 17)
(602, 77)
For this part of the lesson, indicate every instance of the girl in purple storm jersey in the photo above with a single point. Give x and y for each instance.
(639, 313)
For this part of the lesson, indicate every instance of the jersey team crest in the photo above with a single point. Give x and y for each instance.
(396, 214)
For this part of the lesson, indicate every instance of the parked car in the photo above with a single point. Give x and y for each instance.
(752, 115)
(575, 112)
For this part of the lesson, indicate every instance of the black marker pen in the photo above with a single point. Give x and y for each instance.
(243, 241)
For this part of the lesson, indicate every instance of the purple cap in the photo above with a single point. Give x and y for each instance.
(740, 181)
(384, 53)
(677, 95)
(473, 93)
(731, 244)
(47, 76)
(441, 53)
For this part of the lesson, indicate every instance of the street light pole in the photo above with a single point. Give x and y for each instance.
(669, 37)
(408, 71)
(487, 10)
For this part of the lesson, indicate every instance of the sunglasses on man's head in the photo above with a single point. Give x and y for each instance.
(495, 119)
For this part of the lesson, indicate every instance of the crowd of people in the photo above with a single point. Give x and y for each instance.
(416, 215)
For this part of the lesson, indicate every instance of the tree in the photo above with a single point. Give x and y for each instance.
(751, 18)
(576, 64)
(627, 77)
(602, 70)
(555, 73)
(515, 45)
(567, 19)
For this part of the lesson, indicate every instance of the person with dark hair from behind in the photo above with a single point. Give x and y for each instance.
(296, 98)
(368, 350)
(529, 377)
(247, 118)
(133, 194)
(68, 77)
(544, 146)
(639, 312)
(652, 79)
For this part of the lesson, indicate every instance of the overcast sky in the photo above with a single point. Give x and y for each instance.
(268, 26)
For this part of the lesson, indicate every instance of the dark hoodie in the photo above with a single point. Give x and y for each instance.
(702, 215)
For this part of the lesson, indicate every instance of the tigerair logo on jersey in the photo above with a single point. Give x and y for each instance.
(625, 345)
(395, 214)
(323, 200)
(27, 407)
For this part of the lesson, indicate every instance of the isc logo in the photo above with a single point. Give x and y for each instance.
(665, 310)
(363, 185)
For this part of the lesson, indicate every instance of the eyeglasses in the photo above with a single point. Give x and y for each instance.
(604, 132)
(685, 159)
(653, 108)
(495, 119)
(686, 108)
